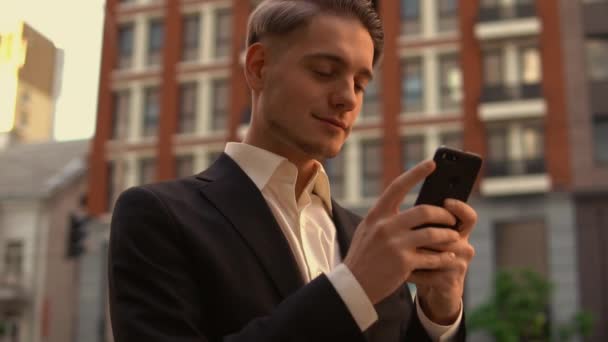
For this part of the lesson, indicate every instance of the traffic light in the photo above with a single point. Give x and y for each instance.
(76, 235)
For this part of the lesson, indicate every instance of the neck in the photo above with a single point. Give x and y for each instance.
(305, 164)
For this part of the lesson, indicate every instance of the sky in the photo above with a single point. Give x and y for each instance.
(76, 27)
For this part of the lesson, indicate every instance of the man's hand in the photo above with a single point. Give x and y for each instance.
(440, 291)
(386, 249)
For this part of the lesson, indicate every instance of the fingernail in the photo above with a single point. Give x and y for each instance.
(450, 201)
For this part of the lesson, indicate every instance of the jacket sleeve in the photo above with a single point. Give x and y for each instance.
(154, 296)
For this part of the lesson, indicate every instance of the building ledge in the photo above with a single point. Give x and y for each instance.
(515, 109)
(515, 185)
(508, 28)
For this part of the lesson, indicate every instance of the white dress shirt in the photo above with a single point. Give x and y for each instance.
(308, 227)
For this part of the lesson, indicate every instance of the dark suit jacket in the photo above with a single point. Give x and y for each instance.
(203, 259)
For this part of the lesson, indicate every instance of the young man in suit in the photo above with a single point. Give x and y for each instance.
(254, 248)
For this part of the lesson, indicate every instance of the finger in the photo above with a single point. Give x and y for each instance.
(465, 214)
(422, 215)
(433, 261)
(462, 248)
(430, 236)
(389, 201)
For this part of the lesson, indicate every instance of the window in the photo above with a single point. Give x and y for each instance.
(191, 24)
(600, 139)
(187, 107)
(13, 260)
(219, 109)
(125, 46)
(111, 184)
(597, 57)
(184, 166)
(412, 148)
(155, 42)
(447, 16)
(147, 170)
(223, 33)
(531, 69)
(450, 81)
(371, 99)
(530, 237)
(410, 17)
(371, 151)
(120, 114)
(151, 111)
(412, 85)
(516, 149)
(532, 141)
(493, 67)
(334, 168)
(451, 139)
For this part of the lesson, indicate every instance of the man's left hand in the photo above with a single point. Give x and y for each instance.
(439, 292)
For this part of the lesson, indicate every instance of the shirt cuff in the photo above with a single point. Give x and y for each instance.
(353, 295)
(439, 333)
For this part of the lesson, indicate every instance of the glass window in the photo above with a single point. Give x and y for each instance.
(497, 143)
(451, 139)
(187, 107)
(493, 67)
(120, 114)
(597, 59)
(155, 42)
(371, 100)
(223, 33)
(371, 152)
(531, 69)
(147, 170)
(220, 108)
(531, 240)
(125, 46)
(450, 81)
(413, 149)
(600, 139)
(334, 168)
(447, 15)
(532, 141)
(151, 111)
(410, 17)
(13, 259)
(190, 36)
(184, 166)
(111, 185)
(412, 85)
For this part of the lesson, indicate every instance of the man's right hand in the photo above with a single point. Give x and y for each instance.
(386, 248)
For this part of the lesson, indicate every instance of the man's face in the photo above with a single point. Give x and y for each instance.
(313, 88)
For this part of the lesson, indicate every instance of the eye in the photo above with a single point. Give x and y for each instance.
(359, 88)
(323, 73)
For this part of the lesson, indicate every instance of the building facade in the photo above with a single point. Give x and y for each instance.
(502, 78)
(40, 186)
(30, 78)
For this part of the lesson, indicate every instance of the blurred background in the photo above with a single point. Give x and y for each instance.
(97, 96)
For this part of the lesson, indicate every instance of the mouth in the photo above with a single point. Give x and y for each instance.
(332, 121)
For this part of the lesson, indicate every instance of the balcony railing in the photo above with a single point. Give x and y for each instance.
(500, 93)
(506, 168)
(497, 13)
(12, 293)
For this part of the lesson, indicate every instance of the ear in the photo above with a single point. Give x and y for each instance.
(255, 62)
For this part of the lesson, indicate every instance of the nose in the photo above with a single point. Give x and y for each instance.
(344, 97)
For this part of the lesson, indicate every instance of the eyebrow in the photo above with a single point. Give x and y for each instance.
(339, 60)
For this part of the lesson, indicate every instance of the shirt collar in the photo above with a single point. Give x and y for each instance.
(261, 165)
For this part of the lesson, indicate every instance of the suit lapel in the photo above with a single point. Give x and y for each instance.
(240, 201)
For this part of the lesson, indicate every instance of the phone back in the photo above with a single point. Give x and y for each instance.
(453, 177)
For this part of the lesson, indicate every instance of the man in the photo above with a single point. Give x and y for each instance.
(254, 248)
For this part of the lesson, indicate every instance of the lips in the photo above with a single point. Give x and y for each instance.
(333, 121)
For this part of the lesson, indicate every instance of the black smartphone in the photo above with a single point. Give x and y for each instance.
(454, 177)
